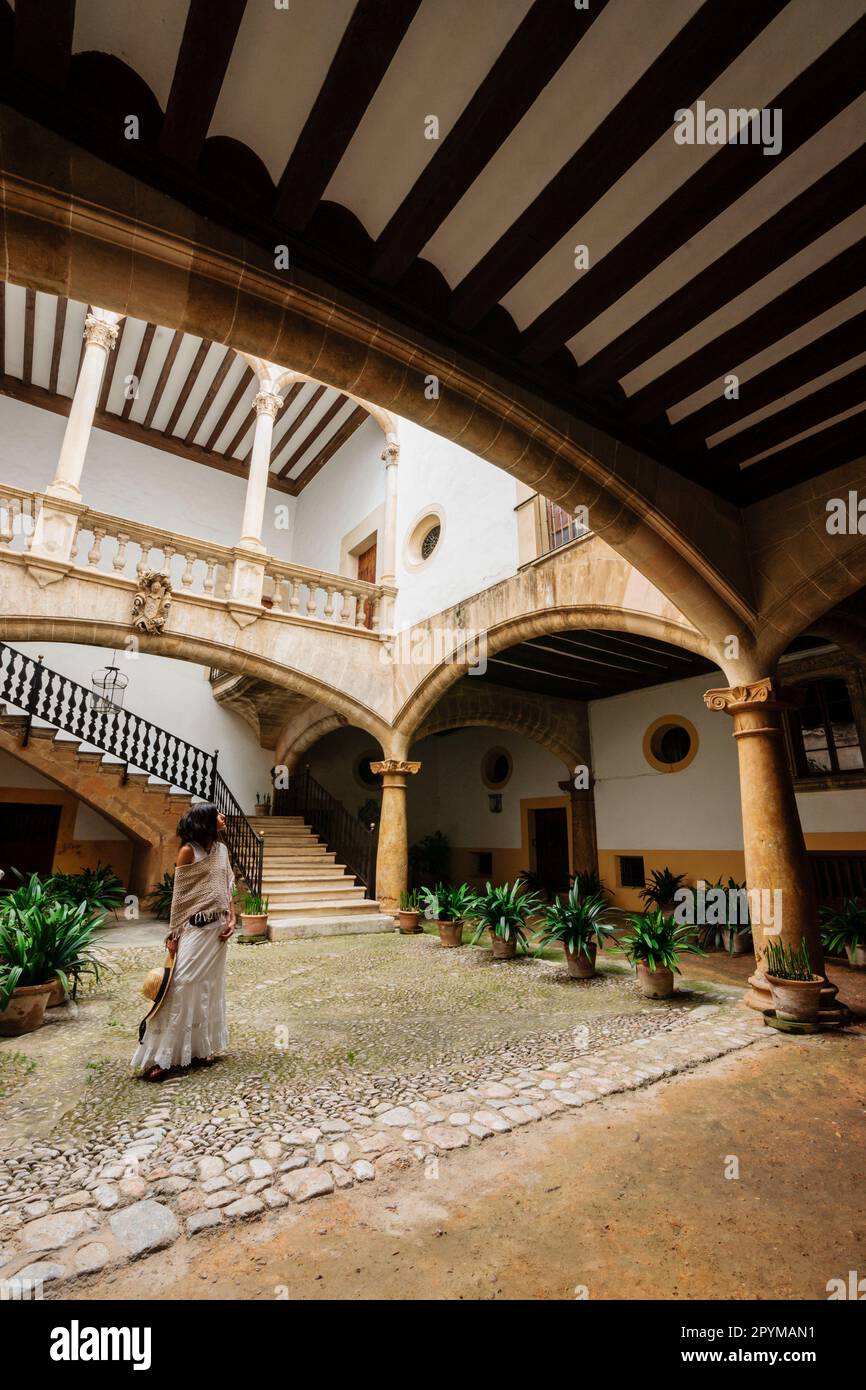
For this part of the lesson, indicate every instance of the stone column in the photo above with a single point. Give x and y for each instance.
(267, 406)
(584, 846)
(57, 521)
(392, 859)
(775, 850)
(390, 458)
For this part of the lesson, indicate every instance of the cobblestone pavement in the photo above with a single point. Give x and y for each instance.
(347, 1059)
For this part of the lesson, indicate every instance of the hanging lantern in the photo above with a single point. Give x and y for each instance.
(108, 688)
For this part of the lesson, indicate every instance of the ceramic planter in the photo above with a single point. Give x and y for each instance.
(504, 949)
(254, 924)
(737, 943)
(25, 1011)
(262, 810)
(450, 933)
(655, 984)
(408, 922)
(57, 996)
(796, 1000)
(580, 965)
(856, 957)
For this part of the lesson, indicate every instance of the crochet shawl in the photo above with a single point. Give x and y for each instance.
(206, 886)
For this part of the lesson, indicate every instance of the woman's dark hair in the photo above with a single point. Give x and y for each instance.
(199, 823)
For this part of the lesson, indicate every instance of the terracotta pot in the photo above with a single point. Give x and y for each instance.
(25, 1011)
(502, 949)
(737, 943)
(450, 933)
(580, 965)
(56, 997)
(655, 984)
(408, 922)
(856, 957)
(796, 1000)
(262, 810)
(255, 924)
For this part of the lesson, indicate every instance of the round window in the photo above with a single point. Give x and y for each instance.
(670, 743)
(430, 541)
(423, 538)
(496, 768)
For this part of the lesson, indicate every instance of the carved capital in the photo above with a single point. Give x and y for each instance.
(268, 403)
(99, 332)
(391, 454)
(390, 765)
(765, 693)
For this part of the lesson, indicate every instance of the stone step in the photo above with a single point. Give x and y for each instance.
(344, 890)
(292, 876)
(325, 907)
(287, 859)
(278, 822)
(296, 929)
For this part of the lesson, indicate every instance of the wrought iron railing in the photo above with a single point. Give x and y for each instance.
(353, 842)
(64, 704)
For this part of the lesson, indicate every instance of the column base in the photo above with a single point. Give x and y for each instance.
(832, 1013)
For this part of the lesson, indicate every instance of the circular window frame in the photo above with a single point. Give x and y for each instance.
(661, 725)
(496, 752)
(416, 535)
(370, 755)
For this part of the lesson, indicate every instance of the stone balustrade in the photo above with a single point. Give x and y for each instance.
(126, 549)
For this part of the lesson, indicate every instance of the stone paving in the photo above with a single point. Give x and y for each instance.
(347, 1062)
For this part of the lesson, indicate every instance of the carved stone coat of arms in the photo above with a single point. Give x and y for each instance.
(152, 603)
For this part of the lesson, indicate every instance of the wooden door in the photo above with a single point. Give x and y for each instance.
(367, 572)
(28, 835)
(551, 848)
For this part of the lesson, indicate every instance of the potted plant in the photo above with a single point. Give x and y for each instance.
(504, 912)
(410, 911)
(579, 922)
(661, 890)
(430, 857)
(654, 943)
(590, 884)
(34, 901)
(796, 990)
(263, 803)
(99, 889)
(50, 943)
(447, 907)
(254, 915)
(844, 929)
(161, 895)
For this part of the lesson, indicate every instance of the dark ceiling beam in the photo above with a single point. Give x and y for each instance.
(202, 62)
(29, 324)
(846, 393)
(244, 385)
(313, 399)
(371, 38)
(228, 360)
(43, 40)
(242, 429)
(189, 382)
(159, 388)
(316, 433)
(337, 440)
(60, 311)
(813, 295)
(813, 360)
(129, 429)
(138, 369)
(539, 46)
(2, 328)
(809, 103)
(819, 208)
(111, 366)
(702, 49)
(808, 458)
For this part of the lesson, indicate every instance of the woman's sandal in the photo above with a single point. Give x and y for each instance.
(155, 1074)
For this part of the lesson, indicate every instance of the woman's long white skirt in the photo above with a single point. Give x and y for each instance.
(192, 1020)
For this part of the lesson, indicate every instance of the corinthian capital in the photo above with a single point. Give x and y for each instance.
(268, 403)
(390, 454)
(101, 332)
(389, 765)
(762, 694)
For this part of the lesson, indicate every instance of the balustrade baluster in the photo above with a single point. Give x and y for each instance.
(186, 577)
(144, 558)
(95, 552)
(294, 596)
(312, 600)
(346, 605)
(330, 595)
(360, 613)
(119, 561)
(208, 584)
(168, 554)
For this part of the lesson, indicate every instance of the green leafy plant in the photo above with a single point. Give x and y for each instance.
(661, 888)
(31, 892)
(786, 962)
(100, 889)
(430, 857)
(447, 903)
(410, 900)
(576, 921)
(50, 939)
(589, 883)
(263, 799)
(161, 895)
(255, 905)
(654, 939)
(844, 927)
(504, 912)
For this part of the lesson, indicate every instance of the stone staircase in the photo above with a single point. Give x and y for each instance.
(310, 894)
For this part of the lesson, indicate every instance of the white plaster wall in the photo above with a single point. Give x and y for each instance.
(17, 774)
(177, 696)
(127, 479)
(342, 494)
(699, 807)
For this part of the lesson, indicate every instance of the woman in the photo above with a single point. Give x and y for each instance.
(190, 1025)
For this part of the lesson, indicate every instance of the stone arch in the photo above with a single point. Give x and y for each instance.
(555, 725)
